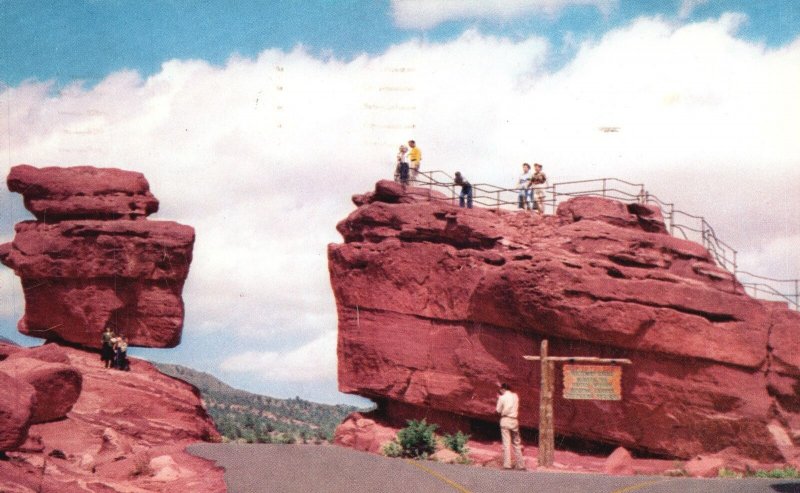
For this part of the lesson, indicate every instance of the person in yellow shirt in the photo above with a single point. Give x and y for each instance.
(414, 158)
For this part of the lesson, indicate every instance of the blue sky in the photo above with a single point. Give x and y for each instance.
(252, 101)
(67, 40)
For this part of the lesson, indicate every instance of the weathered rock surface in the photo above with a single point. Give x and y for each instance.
(82, 192)
(127, 431)
(57, 385)
(16, 403)
(86, 266)
(437, 304)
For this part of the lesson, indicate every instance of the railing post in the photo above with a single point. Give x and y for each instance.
(497, 201)
(554, 198)
(604, 187)
(706, 243)
(672, 219)
(797, 294)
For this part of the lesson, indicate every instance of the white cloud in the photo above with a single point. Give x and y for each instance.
(11, 299)
(313, 361)
(424, 14)
(262, 155)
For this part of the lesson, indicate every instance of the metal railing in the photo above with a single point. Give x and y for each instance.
(680, 224)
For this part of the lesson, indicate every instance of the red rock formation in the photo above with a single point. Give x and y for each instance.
(82, 192)
(57, 385)
(127, 431)
(437, 304)
(91, 259)
(16, 403)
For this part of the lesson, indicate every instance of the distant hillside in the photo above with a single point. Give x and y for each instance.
(241, 415)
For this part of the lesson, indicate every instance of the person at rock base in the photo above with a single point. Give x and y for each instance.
(508, 409)
(415, 159)
(466, 190)
(121, 354)
(523, 187)
(537, 183)
(107, 348)
(401, 169)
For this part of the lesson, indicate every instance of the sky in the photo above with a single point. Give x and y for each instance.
(255, 122)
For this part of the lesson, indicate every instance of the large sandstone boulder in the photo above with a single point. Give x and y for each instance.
(436, 304)
(16, 402)
(91, 259)
(82, 192)
(57, 385)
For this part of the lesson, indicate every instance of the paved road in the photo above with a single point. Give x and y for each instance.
(309, 468)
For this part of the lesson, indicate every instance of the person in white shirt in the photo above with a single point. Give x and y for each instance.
(508, 409)
(525, 199)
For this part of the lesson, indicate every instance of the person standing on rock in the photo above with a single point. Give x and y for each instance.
(107, 348)
(523, 187)
(401, 170)
(538, 181)
(415, 160)
(508, 409)
(121, 354)
(466, 190)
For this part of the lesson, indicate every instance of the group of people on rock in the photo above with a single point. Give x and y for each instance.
(408, 163)
(529, 186)
(114, 350)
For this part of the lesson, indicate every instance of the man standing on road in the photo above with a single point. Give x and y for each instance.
(508, 409)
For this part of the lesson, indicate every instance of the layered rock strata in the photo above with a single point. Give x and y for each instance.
(91, 258)
(436, 304)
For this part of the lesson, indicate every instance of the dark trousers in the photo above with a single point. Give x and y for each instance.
(466, 192)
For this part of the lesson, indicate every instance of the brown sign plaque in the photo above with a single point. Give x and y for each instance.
(593, 382)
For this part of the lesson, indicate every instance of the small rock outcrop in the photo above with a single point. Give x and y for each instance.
(436, 304)
(117, 431)
(91, 258)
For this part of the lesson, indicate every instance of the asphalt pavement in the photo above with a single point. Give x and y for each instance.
(256, 468)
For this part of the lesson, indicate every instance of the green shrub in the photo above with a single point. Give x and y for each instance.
(392, 449)
(457, 443)
(417, 439)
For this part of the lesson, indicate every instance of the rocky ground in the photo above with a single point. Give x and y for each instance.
(105, 431)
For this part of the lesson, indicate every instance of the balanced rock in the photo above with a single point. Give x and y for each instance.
(436, 304)
(90, 265)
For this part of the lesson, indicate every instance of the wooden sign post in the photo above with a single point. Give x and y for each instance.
(592, 382)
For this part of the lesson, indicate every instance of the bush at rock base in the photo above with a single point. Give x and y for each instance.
(457, 442)
(392, 449)
(417, 439)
